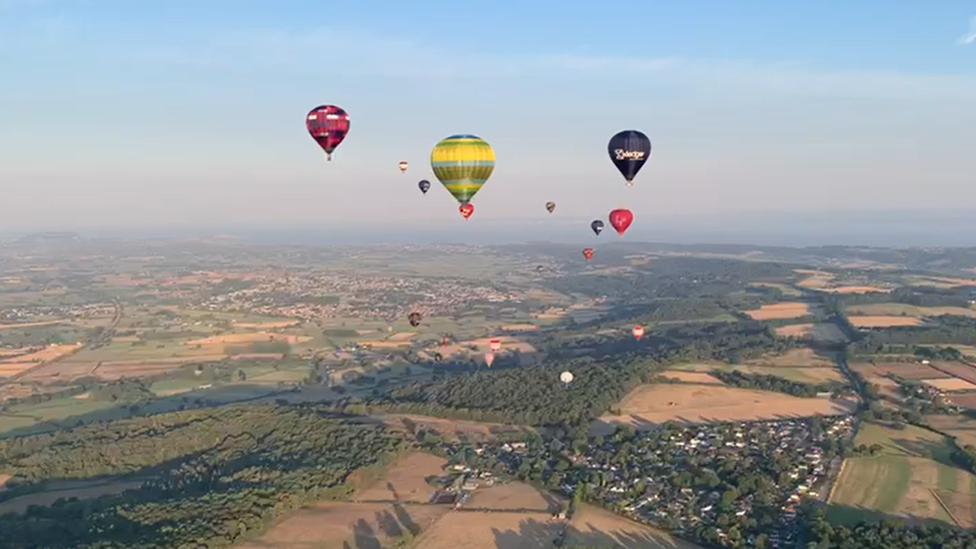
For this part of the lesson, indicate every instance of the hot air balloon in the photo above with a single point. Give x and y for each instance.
(462, 163)
(414, 319)
(629, 150)
(638, 331)
(466, 210)
(444, 341)
(566, 377)
(495, 344)
(424, 186)
(620, 219)
(489, 358)
(403, 166)
(328, 126)
(587, 253)
(539, 268)
(550, 206)
(597, 226)
(338, 352)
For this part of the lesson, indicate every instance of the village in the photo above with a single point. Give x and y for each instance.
(719, 482)
(327, 296)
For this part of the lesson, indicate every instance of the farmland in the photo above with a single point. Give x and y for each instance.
(701, 378)
(513, 496)
(492, 530)
(67, 489)
(595, 527)
(883, 321)
(649, 405)
(405, 480)
(773, 311)
(951, 384)
(910, 478)
(902, 370)
(802, 365)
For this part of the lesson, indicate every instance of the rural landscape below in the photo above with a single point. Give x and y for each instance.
(216, 393)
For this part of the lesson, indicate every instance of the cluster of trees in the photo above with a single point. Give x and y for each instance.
(939, 353)
(530, 396)
(736, 378)
(662, 310)
(887, 534)
(210, 477)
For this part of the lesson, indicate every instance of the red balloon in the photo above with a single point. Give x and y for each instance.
(638, 331)
(466, 210)
(328, 126)
(621, 219)
(587, 253)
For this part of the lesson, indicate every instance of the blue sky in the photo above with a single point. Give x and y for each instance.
(152, 112)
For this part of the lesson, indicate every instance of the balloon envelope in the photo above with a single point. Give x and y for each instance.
(328, 126)
(424, 186)
(489, 358)
(566, 377)
(403, 167)
(587, 253)
(466, 210)
(597, 226)
(629, 150)
(462, 163)
(550, 206)
(620, 219)
(638, 331)
(414, 319)
(495, 344)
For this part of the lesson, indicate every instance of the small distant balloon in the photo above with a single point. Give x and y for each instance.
(620, 219)
(466, 210)
(424, 186)
(629, 150)
(338, 352)
(638, 332)
(403, 166)
(489, 358)
(587, 253)
(550, 206)
(444, 341)
(597, 226)
(539, 268)
(495, 344)
(328, 126)
(414, 319)
(566, 377)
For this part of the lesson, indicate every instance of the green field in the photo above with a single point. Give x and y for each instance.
(911, 478)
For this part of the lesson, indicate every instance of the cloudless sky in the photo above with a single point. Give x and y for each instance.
(191, 112)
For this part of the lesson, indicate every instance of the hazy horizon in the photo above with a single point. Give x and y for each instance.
(947, 228)
(146, 114)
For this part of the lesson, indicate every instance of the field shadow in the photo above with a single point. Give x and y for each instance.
(531, 534)
(850, 515)
(938, 452)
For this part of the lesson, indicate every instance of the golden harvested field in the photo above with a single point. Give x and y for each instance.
(901, 309)
(595, 527)
(883, 321)
(403, 336)
(802, 374)
(786, 309)
(491, 530)
(519, 327)
(404, 480)
(514, 496)
(950, 384)
(44, 354)
(80, 490)
(967, 400)
(815, 279)
(940, 281)
(856, 290)
(960, 426)
(693, 377)
(795, 330)
(337, 525)
(906, 371)
(653, 404)
(787, 290)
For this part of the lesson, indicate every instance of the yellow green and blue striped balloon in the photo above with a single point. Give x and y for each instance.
(462, 163)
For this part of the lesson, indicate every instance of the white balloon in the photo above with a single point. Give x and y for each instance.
(566, 377)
